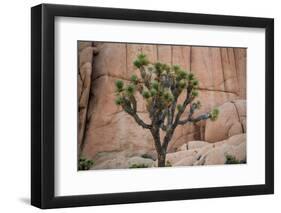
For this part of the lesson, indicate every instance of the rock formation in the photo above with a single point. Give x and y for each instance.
(106, 133)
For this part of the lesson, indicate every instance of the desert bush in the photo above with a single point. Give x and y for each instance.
(85, 164)
(231, 160)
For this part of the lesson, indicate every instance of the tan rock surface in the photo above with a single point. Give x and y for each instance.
(140, 161)
(105, 128)
(84, 86)
(177, 156)
(231, 121)
(197, 144)
(203, 153)
(119, 160)
(187, 161)
(216, 153)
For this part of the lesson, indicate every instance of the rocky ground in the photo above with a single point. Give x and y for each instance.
(226, 144)
(193, 153)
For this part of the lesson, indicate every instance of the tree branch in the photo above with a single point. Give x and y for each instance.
(176, 95)
(137, 119)
(187, 101)
(133, 112)
(156, 136)
(194, 120)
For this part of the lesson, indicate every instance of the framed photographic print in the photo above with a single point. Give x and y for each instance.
(139, 106)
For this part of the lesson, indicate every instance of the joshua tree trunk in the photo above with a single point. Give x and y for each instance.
(162, 159)
(161, 152)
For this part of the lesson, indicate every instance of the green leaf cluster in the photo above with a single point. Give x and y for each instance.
(85, 164)
(141, 61)
(231, 160)
(214, 114)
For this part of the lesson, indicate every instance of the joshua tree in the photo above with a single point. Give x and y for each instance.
(160, 86)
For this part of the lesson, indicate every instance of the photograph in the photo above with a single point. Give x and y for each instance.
(147, 105)
(171, 105)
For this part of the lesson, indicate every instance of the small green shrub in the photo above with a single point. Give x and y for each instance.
(141, 165)
(85, 164)
(231, 160)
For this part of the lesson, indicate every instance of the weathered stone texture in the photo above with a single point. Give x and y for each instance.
(231, 121)
(105, 128)
(86, 51)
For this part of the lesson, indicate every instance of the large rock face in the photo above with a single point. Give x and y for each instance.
(104, 128)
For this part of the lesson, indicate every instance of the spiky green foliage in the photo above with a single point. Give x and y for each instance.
(85, 164)
(214, 114)
(146, 94)
(153, 92)
(161, 85)
(231, 160)
(179, 107)
(155, 85)
(118, 100)
(130, 89)
(194, 93)
(134, 79)
(141, 61)
(119, 85)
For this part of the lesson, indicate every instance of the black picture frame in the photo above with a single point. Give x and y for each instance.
(43, 105)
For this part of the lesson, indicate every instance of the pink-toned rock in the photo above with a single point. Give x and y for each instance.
(86, 55)
(177, 156)
(84, 86)
(206, 65)
(119, 162)
(216, 153)
(228, 122)
(216, 156)
(182, 148)
(234, 140)
(140, 161)
(240, 152)
(133, 50)
(110, 61)
(187, 161)
(83, 44)
(108, 129)
(229, 70)
(165, 54)
(120, 133)
(196, 144)
(241, 107)
(85, 74)
(181, 56)
(240, 62)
